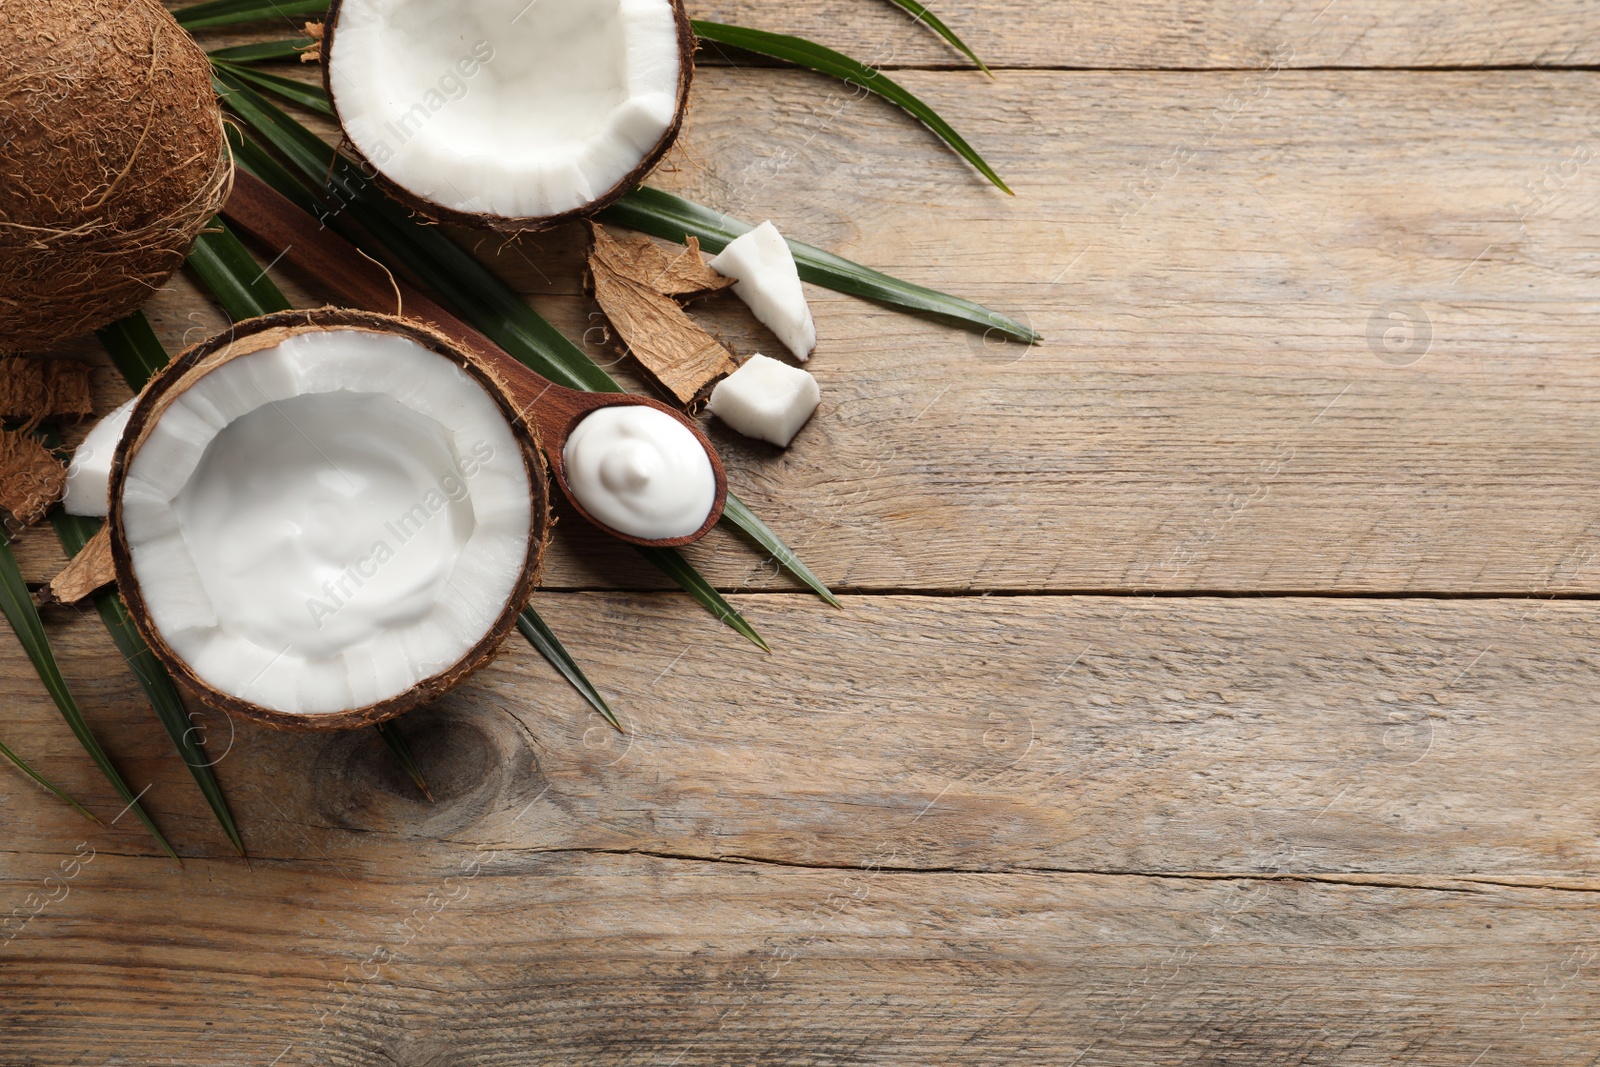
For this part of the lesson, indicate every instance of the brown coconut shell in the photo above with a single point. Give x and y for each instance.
(253, 335)
(112, 157)
(512, 224)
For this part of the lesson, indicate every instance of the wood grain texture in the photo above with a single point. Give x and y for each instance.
(1227, 830)
(1207, 34)
(1309, 332)
(1151, 34)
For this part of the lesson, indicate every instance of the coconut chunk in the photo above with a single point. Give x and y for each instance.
(89, 474)
(766, 278)
(507, 109)
(766, 399)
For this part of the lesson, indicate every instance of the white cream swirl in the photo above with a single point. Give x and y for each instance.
(640, 471)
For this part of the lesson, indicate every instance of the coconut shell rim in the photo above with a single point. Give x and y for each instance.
(289, 323)
(514, 224)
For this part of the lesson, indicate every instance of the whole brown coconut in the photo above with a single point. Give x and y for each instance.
(111, 159)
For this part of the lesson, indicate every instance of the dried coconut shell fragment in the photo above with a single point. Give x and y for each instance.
(86, 574)
(637, 257)
(679, 354)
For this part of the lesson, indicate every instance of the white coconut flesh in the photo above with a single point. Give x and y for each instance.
(766, 399)
(505, 107)
(767, 279)
(89, 474)
(321, 525)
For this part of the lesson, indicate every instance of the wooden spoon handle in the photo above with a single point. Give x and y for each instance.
(551, 410)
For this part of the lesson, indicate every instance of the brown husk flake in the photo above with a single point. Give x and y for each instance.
(634, 281)
(111, 159)
(637, 257)
(31, 477)
(314, 53)
(88, 572)
(34, 389)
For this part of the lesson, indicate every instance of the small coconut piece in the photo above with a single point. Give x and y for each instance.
(89, 474)
(767, 279)
(766, 399)
(31, 477)
(34, 389)
(322, 519)
(631, 281)
(505, 113)
(85, 574)
(111, 159)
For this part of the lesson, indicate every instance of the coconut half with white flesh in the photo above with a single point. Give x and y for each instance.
(511, 114)
(323, 519)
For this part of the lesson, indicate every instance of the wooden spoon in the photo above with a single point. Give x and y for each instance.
(552, 410)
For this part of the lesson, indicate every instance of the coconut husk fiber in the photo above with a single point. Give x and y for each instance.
(31, 477)
(34, 389)
(111, 159)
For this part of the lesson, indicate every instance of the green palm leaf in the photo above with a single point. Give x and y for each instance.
(264, 52)
(539, 634)
(739, 514)
(74, 532)
(232, 12)
(20, 611)
(933, 22)
(814, 56)
(310, 97)
(42, 780)
(672, 564)
(134, 348)
(226, 267)
(674, 218)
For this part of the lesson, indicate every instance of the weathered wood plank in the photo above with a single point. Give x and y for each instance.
(909, 896)
(905, 903)
(1215, 408)
(637, 960)
(1144, 34)
(1417, 741)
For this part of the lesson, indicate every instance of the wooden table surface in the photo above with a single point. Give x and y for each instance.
(1214, 683)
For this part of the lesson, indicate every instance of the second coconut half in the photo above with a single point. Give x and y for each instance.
(510, 114)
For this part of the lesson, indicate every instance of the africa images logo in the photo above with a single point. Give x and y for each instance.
(403, 528)
(452, 85)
